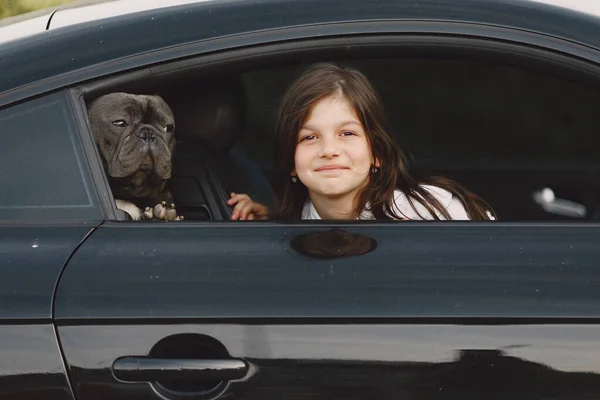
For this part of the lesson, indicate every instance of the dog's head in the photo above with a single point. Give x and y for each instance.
(135, 136)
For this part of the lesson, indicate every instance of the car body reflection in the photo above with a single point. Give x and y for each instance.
(331, 244)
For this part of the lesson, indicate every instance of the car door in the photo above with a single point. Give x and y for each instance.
(46, 211)
(265, 310)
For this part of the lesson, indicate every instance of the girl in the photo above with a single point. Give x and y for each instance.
(335, 159)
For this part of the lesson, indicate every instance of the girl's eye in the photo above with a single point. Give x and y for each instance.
(307, 137)
(347, 133)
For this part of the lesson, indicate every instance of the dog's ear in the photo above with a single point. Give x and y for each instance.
(161, 112)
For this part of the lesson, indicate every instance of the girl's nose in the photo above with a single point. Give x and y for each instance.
(330, 147)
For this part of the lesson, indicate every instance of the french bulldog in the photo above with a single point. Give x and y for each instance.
(135, 136)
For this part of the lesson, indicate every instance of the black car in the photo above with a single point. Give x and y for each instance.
(502, 96)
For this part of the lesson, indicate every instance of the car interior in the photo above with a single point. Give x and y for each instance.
(519, 131)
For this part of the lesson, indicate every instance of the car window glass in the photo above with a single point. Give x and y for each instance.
(42, 172)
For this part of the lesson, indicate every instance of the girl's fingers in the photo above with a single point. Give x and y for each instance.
(246, 209)
(236, 198)
(238, 209)
(242, 209)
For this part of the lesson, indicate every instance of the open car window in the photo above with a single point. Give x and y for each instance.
(523, 139)
(521, 136)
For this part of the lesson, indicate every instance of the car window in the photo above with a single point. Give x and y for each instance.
(43, 174)
(505, 132)
(521, 138)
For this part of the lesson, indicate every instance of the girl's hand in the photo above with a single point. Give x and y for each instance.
(245, 208)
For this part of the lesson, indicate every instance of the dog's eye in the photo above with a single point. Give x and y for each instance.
(168, 128)
(120, 123)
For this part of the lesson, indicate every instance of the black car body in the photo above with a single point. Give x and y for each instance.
(500, 95)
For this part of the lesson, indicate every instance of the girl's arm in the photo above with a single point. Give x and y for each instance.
(245, 208)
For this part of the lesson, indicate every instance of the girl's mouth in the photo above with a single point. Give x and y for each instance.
(332, 167)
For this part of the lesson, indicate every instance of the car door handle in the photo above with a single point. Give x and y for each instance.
(149, 369)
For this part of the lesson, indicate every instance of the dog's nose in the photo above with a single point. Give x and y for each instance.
(147, 135)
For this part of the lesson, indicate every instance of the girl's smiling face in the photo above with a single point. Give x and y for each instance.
(333, 156)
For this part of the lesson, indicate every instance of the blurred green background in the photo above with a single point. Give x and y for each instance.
(9, 8)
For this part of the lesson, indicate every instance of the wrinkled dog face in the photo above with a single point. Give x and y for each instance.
(135, 135)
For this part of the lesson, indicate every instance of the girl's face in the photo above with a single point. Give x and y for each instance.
(333, 157)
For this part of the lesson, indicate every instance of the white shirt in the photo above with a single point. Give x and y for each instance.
(403, 208)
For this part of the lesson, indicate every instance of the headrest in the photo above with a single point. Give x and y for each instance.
(209, 112)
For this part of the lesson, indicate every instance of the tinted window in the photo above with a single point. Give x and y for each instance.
(43, 174)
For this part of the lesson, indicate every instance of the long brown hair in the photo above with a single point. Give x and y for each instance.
(324, 80)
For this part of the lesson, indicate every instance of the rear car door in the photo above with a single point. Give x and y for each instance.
(46, 210)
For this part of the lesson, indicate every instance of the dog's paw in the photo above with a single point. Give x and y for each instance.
(162, 211)
(129, 208)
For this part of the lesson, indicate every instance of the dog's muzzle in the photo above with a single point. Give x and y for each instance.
(147, 135)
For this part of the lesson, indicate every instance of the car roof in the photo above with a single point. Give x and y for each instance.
(84, 36)
(90, 10)
(585, 6)
(75, 13)
(80, 11)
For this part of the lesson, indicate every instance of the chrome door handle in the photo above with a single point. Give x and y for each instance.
(149, 369)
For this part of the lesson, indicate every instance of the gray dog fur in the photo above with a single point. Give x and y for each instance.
(135, 136)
